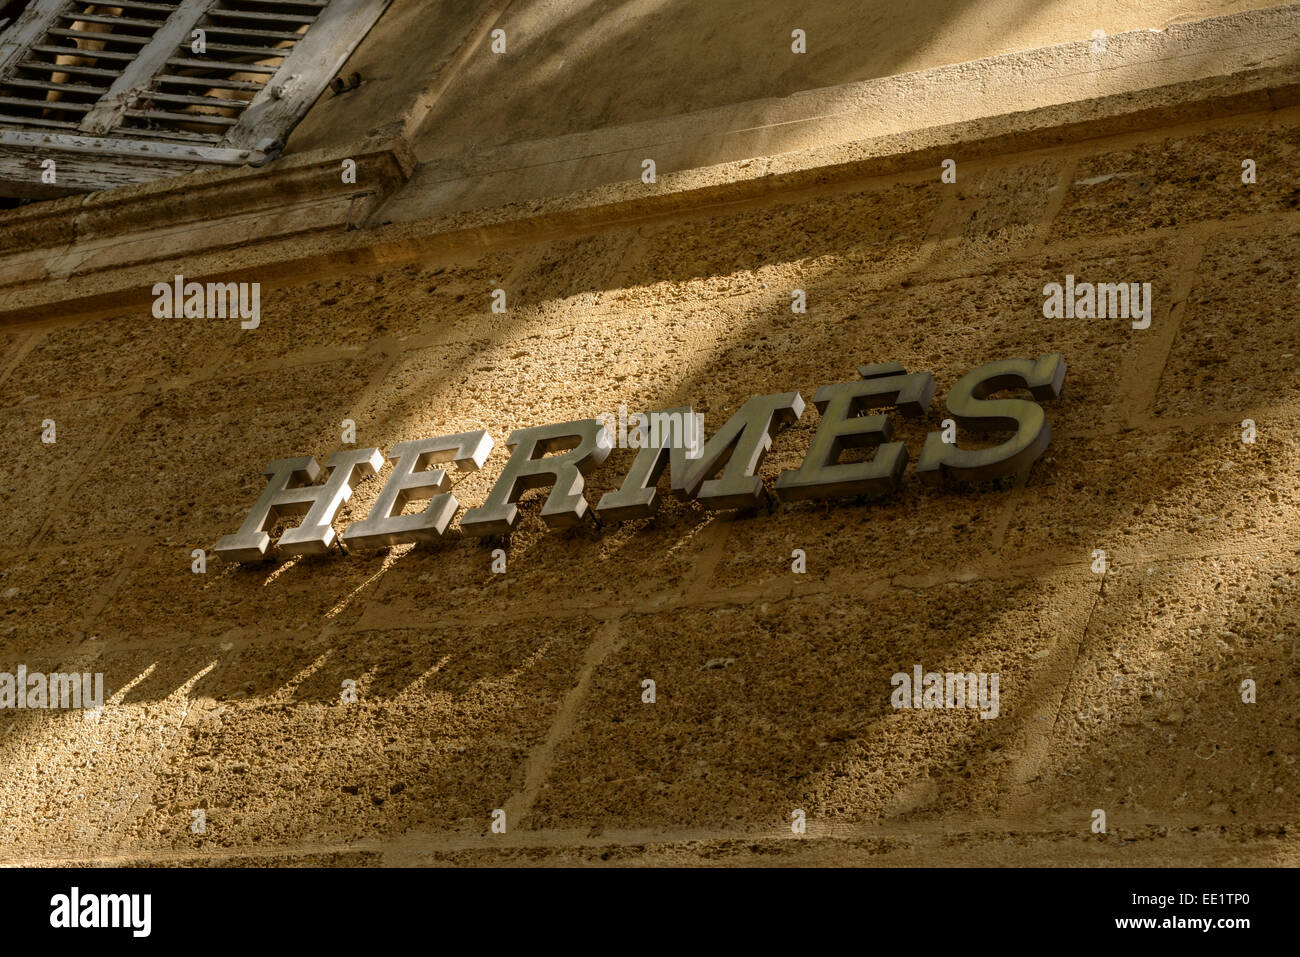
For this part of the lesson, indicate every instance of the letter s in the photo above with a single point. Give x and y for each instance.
(967, 403)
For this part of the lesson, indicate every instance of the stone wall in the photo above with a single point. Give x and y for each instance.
(479, 691)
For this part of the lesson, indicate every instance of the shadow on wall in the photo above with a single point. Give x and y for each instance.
(601, 64)
(435, 633)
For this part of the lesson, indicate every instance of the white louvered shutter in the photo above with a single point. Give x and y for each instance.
(125, 72)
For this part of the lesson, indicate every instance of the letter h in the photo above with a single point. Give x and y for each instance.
(318, 503)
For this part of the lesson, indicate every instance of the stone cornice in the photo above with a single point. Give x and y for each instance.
(101, 253)
(62, 245)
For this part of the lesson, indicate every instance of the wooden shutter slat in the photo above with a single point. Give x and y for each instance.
(262, 17)
(46, 85)
(318, 4)
(220, 65)
(157, 95)
(46, 104)
(208, 119)
(250, 32)
(120, 146)
(26, 30)
(150, 60)
(45, 67)
(304, 73)
(264, 52)
(111, 21)
(101, 37)
(183, 136)
(35, 121)
(134, 96)
(89, 54)
(166, 8)
(216, 82)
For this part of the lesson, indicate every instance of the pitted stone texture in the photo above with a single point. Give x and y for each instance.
(783, 706)
(188, 465)
(340, 316)
(1000, 210)
(1179, 181)
(107, 357)
(48, 598)
(784, 246)
(1187, 490)
(1154, 726)
(1000, 306)
(437, 740)
(79, 774)
(1239, 339)
(38, 475)
(162, 598)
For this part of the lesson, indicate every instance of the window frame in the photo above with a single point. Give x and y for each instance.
(101, 154)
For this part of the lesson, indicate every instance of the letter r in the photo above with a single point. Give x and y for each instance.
(586, 443)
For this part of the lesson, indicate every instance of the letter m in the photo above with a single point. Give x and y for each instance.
(1114, 293)
(65, 689)
(223, 300)
(119, 905)
(736, 451)
(961, 690)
